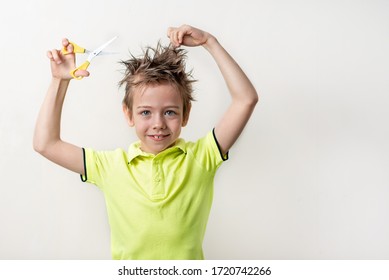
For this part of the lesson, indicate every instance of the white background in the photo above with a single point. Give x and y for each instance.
(309, 177)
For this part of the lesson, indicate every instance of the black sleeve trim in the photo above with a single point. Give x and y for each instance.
(84, 178)
(224, 157)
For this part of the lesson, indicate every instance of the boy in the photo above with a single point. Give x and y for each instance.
(159, 193)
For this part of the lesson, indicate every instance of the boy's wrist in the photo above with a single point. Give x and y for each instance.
(210, 43)
(59, 82)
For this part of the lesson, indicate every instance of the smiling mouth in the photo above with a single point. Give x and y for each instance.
(158, 137)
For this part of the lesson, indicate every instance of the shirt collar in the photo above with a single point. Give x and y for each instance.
(135, 151)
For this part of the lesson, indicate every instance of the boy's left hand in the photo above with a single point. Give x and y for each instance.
(188, 36)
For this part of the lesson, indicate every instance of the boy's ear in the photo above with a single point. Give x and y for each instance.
(128, 115)
(186, 116)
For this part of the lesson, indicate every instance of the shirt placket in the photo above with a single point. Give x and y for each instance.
(158, 189)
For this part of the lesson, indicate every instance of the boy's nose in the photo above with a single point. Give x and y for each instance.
(159, 122)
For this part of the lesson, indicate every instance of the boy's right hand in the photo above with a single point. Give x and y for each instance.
(61, 64)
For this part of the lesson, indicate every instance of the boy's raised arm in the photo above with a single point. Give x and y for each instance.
(47, 137)
(243, 94)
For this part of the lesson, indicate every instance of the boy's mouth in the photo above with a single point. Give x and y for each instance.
(158, 137)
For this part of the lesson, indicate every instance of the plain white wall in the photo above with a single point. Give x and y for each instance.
(308, 179)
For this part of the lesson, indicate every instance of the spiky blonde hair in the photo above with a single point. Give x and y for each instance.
(158, 65)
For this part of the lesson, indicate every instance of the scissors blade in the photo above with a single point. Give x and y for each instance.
(102, 53)
(97, 51)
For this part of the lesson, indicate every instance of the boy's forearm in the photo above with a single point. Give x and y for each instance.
(47, 129)
(240, 87)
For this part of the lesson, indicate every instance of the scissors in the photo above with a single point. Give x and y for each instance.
(92, 55)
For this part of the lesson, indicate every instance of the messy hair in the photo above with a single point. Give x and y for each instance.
(155, 66)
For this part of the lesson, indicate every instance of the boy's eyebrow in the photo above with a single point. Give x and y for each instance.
(143, 106)
(149, 107)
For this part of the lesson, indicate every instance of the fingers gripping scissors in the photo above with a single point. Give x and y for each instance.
(92, 55)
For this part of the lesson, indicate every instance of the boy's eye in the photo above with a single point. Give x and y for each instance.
(145, 113)
(170, 113)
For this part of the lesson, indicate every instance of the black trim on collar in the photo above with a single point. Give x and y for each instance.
(224, 157)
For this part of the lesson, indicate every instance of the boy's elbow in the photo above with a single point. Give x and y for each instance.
(44, 150)
(255, 98)
(252, 99)
(248, 102)
(38, 147)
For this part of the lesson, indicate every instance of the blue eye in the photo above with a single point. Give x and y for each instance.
(145, 113)
(170, 113)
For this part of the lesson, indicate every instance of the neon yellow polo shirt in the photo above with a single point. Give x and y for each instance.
(158, 205)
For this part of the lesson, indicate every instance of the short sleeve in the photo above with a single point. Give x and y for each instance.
(96, 166)
(207, 152)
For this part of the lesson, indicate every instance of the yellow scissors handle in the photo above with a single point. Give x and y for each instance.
(83, 66)
(76, 49)
(92, 55)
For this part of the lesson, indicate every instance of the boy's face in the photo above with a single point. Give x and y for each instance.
(157, 115)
